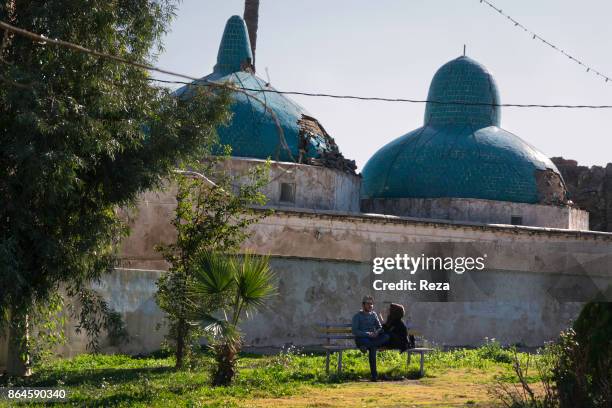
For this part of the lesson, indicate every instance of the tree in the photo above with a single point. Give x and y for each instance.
(208, 217)
(82, 136)
(236, 286)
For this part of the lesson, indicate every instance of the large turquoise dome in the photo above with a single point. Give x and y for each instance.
(253, 132)
(461, 152)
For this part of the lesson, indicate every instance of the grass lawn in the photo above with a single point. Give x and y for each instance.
(459, 378)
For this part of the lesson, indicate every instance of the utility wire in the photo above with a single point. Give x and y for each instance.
(545, 42)
(204, 82)
(42, 40)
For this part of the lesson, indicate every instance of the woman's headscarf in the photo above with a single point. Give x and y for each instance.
(396, 312)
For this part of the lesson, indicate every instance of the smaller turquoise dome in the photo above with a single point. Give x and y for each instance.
(469, 84)
(460, 151)
(235, 49)
(253, 132)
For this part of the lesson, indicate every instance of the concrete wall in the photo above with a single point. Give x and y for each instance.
(316, 187)
(324, 291)
(482, 211)
(314, 291)
(535, 281)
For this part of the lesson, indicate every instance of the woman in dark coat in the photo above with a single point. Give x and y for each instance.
(396, 329)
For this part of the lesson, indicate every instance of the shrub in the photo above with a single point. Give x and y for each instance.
(493, 351)
(583, 372)
(522, 394)
(576, 371)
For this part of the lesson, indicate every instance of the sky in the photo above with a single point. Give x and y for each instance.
(392, 48)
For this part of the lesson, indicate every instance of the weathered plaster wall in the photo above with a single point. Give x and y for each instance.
(510, 305)
(323, 260)
(317, 291)
(316, 187)
(483, 211)
(130, 292)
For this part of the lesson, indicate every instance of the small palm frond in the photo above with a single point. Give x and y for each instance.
(255, 281)
(213, 275)
(199, 308)
(221, 331)
(213, 326)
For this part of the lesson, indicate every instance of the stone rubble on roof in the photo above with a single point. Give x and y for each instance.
(253, 132)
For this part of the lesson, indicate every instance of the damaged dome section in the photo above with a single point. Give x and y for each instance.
(266, 124)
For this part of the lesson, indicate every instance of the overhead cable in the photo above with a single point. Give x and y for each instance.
(42, 40)
(204, 82)
(545, 42)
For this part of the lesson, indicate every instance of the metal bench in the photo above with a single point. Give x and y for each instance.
(339, 337)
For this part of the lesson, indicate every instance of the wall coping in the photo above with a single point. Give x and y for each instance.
(276, 164)
(437, 223)
(483, 200)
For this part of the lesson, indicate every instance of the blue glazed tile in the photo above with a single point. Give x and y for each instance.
(252, 131)
(460, 151)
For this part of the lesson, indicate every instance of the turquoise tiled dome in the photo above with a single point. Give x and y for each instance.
(460, 152)
(252, 131)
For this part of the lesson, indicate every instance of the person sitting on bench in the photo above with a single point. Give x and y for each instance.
(396, 329)
(368, 332)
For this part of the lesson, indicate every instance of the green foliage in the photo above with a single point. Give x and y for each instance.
(576, 370)
(235, 287)
(208, 217)
(48, 320)
(482, 357)
(94, 315)
(117, 380)
(583, 371)
(493, 351)
(82, 136)
(521, 394)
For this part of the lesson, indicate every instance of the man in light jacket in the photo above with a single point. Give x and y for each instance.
(368, 332)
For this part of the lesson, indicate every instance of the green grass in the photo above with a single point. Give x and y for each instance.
(118, 380)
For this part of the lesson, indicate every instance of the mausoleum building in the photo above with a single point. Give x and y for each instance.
(459, 185)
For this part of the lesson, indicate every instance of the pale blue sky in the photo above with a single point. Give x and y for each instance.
(392, 48)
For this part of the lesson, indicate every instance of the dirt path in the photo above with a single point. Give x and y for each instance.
(450, 390)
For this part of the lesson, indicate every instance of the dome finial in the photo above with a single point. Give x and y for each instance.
(464, 50)
(235, 49)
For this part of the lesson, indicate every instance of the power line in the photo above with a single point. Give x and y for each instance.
(200, 82)
(42, 40)
(545, 42)
(205, 83)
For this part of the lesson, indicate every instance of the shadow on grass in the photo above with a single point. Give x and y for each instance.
(116, 399)
(84, 376)
(390, 375)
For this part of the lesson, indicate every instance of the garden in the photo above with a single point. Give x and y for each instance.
(454, 378)
(83, 137)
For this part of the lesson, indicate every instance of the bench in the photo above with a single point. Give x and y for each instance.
(336, 333)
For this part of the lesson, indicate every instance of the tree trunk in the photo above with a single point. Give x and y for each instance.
(226, 356)
(181, 333)
(18, 358)
(251, 18)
